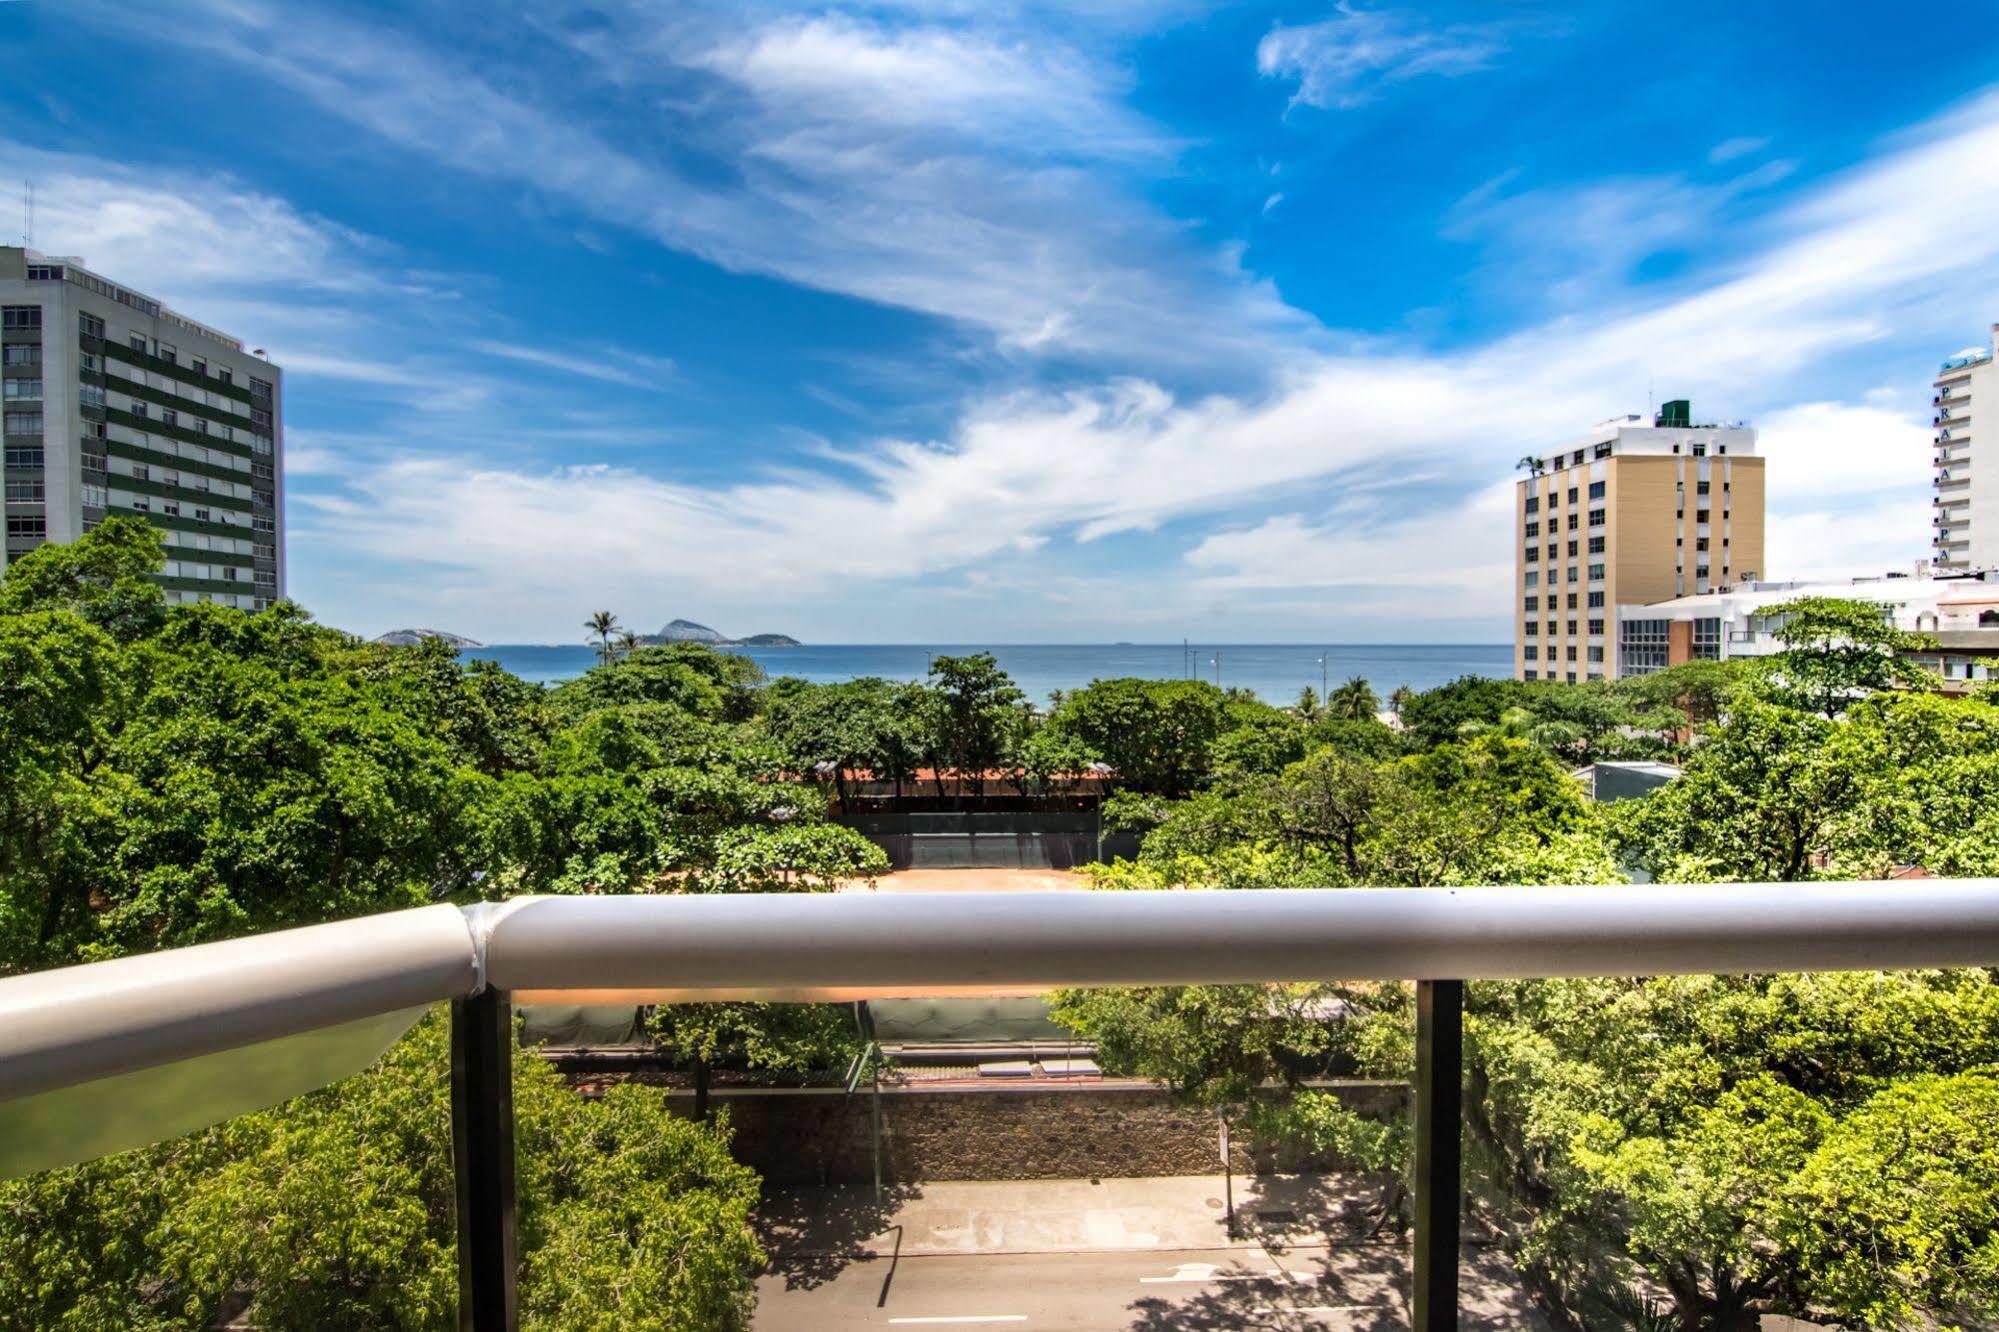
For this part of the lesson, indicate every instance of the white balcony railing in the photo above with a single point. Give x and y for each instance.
(140, 1035)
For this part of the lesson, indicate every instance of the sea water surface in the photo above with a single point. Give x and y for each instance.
(1276, 672)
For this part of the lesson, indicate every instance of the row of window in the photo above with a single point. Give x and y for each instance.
(1595, 575)
(1531, 674)
(1531, 628)
(20, 317)
(1533, 653)
(1534, 601)
(21, 353)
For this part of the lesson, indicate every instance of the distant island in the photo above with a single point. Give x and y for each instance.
(687, 631)
(411, 637)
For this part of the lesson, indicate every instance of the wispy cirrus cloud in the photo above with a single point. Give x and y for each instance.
(1033, 480)
(1351, 58)
(959, 171)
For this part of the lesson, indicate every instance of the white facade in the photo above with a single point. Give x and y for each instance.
(1961, 612)
(1964, 516)
(117, 405)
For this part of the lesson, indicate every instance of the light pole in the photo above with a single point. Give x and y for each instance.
(1322, 676)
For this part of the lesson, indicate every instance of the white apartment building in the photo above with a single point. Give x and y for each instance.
(1960, 611)
(1965, 508)
(115, 404)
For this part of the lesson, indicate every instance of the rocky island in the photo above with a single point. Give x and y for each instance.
(411, 637)
(687, 631)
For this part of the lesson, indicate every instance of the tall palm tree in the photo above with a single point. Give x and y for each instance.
(1355, 700)
(1308, 706)
(602, 624)
(628, 643)
(1399, 698)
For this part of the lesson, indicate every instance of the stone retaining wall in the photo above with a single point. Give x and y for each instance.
(1100, 1130)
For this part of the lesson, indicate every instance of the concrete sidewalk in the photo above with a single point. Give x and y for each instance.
(1069, 1215)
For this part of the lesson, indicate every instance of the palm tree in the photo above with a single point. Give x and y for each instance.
(628, 643)
(1307, 707)
(602, 624)
(1534, 465)
(1354, 701)
(1400, 697)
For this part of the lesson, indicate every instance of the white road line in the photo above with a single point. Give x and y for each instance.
(1200, 1274)
(966, 1318)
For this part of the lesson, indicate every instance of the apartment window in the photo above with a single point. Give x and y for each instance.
(1701, 488)
(20, 316)
(94, 497)
(1533, 554)
(1595, 546)
(1572, 628)
(1572, 549)
(1533, 578)
(170, 507)
(141, 409)
(1570, 654)
(203, 515)
(24, 353)
(1700, 515)
(170, 417)
(44, 272)
(1571, 680)
(1533, 603)
(25, 492)
(90, 395)
(1596, 518)
(1551, 631)
(199, 366)
(1530, 628)
(200, 425)
(87, 362)
(1700, 543)
(1573, 492)
(1533, 529)
(1642, 645)
(137, 342)
(27, 525)
(25, 456)
(1577, 460)
(1595, 655)
(1707, 639)
(1595, 600)
(1533, 504)
(1596, 626)
(1572, 522)
(167, 353)
(1596, 490)
(28, 390)
(1531, 652)
(24, 423)
(1700, 450)
(90, 326)
(1596, 573)
(1573, 571)
(226, 375)
(1553, 550)
(1602, 451)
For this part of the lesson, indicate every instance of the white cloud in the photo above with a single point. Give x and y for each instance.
(605, 364)
(1730, 149)
(958, 173)
(1346, 60)
(1866, 256)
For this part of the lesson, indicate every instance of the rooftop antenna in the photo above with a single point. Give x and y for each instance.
(28, 218)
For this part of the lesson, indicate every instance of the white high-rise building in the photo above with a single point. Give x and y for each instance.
(1965, 510)
(117, 405)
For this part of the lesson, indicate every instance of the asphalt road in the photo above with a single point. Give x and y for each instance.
(1343, 1287)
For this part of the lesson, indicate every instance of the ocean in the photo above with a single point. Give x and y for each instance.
(1276, 672)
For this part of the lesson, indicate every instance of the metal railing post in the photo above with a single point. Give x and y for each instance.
(1440, 1049)
(482, 1150)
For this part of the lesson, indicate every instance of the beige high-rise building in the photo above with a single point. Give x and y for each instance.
(1965, 504)
(1634, 512)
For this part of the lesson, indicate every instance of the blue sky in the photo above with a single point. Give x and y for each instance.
(1020, 323)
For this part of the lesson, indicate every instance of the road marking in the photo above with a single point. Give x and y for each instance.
(966, 1318)
(1200, 1274)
